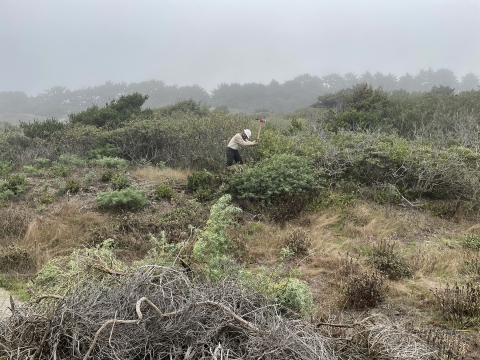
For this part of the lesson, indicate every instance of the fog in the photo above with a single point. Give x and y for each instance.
(77, 43)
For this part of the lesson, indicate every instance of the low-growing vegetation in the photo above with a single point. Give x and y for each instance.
(340, 236)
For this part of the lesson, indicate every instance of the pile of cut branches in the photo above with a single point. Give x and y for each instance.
(160, 313)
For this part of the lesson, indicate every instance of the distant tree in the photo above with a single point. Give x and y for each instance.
(390, 82)
(186, 107)
(469, 82)
(333, 82)
(407, 82)
(378, 80)
(362, 107)
(350, 79)
(222, 109)
(442, 90)
(425, 80)
(114, 113)
(446, 78)
(366, 78)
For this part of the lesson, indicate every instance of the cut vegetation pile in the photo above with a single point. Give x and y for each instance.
(160, 313)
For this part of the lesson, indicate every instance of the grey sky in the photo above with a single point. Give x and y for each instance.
(75, 43)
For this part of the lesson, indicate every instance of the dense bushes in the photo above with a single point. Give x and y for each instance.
(272, 180)
(43, 130)
(409, 168)
(186, 135)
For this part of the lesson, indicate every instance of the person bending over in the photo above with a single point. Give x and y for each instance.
(240, 139)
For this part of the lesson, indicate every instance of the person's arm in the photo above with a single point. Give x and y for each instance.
(248, 143)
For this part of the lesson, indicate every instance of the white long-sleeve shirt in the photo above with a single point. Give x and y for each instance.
(238, 141)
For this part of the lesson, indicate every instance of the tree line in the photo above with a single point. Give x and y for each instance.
(275, 97)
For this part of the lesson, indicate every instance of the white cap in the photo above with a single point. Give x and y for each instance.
(248, 133)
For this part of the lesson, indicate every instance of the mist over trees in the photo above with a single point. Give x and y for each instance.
(276, 97)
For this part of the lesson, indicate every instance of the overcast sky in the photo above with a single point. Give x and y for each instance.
(76, 43)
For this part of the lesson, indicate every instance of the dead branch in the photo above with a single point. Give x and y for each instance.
(48, 296)
(173, 313)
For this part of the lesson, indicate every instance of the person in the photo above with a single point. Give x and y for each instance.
(240, 139)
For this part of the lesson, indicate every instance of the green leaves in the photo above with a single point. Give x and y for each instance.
(129, 198)
(273, 178)
(113, 114)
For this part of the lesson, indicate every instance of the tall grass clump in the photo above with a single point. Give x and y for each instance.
(459, 305)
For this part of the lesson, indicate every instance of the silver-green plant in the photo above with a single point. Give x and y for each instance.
(213, 242)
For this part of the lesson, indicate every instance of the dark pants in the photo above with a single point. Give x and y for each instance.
(233, 156)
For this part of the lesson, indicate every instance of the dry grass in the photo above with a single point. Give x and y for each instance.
(371, 220)
(260, 242)
(14, 221)
(62, 232)
(156, 175)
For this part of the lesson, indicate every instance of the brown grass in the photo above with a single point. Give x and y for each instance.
(61, 233)
(14, 221)
(156, 175)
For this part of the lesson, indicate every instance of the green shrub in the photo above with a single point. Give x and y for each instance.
(107, 150)
(5, 195)
(164, 191)
(107, 175)
(203, 184)
(285, 182)
(46, 199)
(199, 180)
(60, 170)
(5, 168)
(213, 243)
(129, 199)
(472, 242)
(273, 179)
(42, 130)
(294, 294)
(286, 253)
(387, 194)
(88, 179)
(74, 160)
(16, 183)
(114, 114)
(111, 162)
(72, 185)
(42, 163)
(119, 181)
(63, 273)
(29, 169)
(386, 260)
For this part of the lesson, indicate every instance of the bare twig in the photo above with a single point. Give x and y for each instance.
(48, 296)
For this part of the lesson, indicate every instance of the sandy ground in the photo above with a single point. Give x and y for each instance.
(5, 303)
